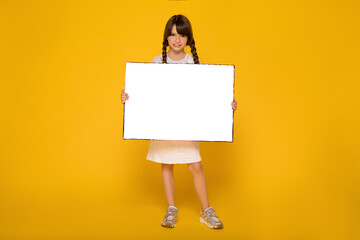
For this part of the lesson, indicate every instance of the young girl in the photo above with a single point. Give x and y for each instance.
(178, 34)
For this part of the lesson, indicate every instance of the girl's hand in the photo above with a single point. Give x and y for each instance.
(234, 105)
(124, 96)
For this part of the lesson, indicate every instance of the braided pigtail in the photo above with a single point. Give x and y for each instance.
(164, 55)
(193, 51)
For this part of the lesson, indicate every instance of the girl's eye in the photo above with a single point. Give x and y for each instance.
(173, 34)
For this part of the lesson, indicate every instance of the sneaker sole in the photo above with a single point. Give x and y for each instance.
(168, 226)
(202, 220)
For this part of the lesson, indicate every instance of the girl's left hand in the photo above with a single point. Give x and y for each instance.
(234, 105)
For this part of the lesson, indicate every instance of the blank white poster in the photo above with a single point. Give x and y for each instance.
(179, 102)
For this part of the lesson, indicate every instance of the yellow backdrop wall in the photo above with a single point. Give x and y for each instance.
(292, 171)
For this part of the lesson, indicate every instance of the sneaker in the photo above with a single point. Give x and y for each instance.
(209, 218)
(170, 218)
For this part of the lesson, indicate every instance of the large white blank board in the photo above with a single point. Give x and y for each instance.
(179, 102)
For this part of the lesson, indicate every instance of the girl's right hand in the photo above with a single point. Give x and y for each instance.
(124, 96)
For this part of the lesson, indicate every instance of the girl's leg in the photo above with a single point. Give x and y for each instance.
(168, 182)
(199, 183)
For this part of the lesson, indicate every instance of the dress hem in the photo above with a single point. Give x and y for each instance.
(173, 162)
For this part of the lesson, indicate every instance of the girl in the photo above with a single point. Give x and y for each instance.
(178, 34)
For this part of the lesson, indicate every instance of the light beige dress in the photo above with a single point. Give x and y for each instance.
(170, 151)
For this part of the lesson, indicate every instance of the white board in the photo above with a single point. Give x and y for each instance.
(179, 102)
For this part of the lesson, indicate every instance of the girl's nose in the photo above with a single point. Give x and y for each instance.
(177, 38)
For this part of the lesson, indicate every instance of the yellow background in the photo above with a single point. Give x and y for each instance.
(291, 173)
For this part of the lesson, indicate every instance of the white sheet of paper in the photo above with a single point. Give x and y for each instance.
(179, 102)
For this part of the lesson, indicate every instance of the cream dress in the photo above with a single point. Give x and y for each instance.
(170, 151)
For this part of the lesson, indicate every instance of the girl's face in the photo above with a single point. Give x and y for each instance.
(176, 41)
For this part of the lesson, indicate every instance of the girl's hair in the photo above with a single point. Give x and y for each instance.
(183, 27)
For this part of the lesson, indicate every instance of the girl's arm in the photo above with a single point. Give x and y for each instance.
(124, 96)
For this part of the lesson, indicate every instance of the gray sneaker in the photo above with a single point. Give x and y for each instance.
(170, 218)
(209, 218)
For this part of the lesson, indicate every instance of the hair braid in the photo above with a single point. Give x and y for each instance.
(164, 55)
(193, 51)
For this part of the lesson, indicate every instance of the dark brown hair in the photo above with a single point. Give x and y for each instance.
(183, 27)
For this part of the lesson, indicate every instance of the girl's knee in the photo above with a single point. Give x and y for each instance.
(167, 166)
(195, 167)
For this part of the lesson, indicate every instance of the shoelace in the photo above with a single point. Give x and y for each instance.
(211, 214)
(170, 214)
